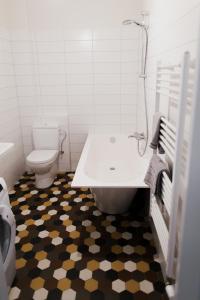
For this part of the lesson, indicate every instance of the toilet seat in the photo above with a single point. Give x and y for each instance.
(42, 157)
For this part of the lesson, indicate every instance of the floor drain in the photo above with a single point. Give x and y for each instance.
(112, 168)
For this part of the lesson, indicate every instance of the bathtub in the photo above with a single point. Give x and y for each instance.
(111, 167)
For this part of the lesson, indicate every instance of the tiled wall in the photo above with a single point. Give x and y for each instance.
(12, 166)
(75, 57)
(174, 27)
(90, 75)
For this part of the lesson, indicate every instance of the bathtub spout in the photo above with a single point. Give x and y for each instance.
(138, 136)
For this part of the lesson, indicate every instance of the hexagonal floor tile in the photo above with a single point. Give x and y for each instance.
(59, 273)
(146, 286)
(118, 286)
(85, 274)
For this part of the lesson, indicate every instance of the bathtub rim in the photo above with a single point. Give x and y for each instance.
(81, 179)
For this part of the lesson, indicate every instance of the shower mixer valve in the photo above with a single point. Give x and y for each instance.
(138, 136)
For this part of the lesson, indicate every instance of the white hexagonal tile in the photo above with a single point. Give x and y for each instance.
(21, 227)
(34, 192)
(127, 235)
(69, 295)
(57, 241)
(86, 223)
(43, 234)
(14, 293)
(97, 213)
(94, 249)
(146, 286)
(53, 199)
(84, 208)
(41, 207)
(40, 294)
(85, 274)
(59, 274)
(77, 200)
(44, 264)
(72, 192)
(57, 192)
(135, 224)
(71, 228)
(110, 218)
(64, 203)
(17, 239)
(118, 286)
(75, 256)
(130, 266)
(64, 217)
(128, 249)
(21, 199)
(95, 235)
(105, 265)
(39, 222)
(25, 212)
(111, 228)
(147, 236)
(52, 212)
(57, 183)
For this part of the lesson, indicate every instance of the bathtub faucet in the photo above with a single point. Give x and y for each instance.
(138, 136)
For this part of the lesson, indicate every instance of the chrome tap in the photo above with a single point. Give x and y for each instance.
(138, 136)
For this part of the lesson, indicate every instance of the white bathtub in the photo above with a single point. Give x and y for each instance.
(111, 167)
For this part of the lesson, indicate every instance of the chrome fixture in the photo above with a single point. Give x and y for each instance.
(143, 76)
(138, 136)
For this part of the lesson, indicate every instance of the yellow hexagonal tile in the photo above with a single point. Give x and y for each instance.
(74, 234)
(53, 234)
(27, 247)
(90, 228)
(24, 207)
(140, 250)
(43, 196)
(67, 222)
(91, 285)
(14, 203)
(82, 196)
(116, 235)
(89, 241)
(117, 265)
(132, 286)
(66, 196)
(46, 217)
(23, 233)
(143, 266)
(67, 208)
(29, 222)
(37, 283)
(116, 249)
(64, 284)
(47, 203)
(20, 263)
(93, 265)
(68, 264)
(71, 248)
(27, 196)
(40, 255)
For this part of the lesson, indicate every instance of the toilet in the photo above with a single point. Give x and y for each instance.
(43, 159)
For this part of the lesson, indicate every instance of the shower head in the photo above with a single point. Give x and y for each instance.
(129, 22)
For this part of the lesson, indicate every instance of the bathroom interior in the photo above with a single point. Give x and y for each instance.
(99, 149)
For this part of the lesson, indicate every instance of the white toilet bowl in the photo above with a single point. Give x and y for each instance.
(44, 164)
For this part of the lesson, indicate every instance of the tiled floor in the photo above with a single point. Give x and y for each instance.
(67, 249)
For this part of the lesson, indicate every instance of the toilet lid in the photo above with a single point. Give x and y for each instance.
(42, 156)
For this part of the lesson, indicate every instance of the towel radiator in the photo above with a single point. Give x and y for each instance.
(174, 83)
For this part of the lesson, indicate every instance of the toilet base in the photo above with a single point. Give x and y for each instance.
(43, 181)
